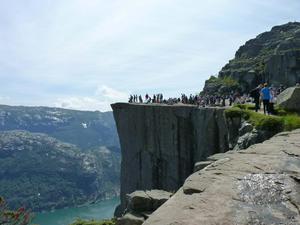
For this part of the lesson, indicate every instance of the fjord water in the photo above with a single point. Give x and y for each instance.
(101, 210)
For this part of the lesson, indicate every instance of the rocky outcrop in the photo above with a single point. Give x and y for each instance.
(160, 143)
(260, 185)
(289, 99)
(272, 57)
(141, 204)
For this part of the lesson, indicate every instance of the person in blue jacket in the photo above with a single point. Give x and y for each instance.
(266, 96)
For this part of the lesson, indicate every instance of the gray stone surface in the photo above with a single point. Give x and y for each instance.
(160, 143)
(260, 185)
(139, 201)
(248, 139)
(290, 99)
(158, 197)
(141, 204)
(245, 128)
(202, 164)
(216, 157)
(130, 219)
(146, 201)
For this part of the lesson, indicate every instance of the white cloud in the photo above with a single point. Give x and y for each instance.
(82, 103)
(56, 51)
(101, 100)
(111, 94)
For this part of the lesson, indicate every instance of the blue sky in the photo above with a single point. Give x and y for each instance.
(86, 54)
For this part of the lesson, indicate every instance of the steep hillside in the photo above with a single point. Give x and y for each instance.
(272, 57)
(42, 172)
(82, 128)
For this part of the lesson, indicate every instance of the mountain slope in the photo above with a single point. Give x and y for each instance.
(84, 129)
(42, 172)
(272, 57)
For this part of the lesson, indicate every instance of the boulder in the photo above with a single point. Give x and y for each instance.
(290, 99)
(139, 201)
(141, 204)
(146, 201)
(158, 197)
(130, 219)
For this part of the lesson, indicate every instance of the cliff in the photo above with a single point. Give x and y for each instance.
(260, 185)
(160, 143)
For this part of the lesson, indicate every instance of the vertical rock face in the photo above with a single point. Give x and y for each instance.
(161, 143)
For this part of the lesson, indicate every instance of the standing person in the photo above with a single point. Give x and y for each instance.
(140, 99)
(272, 100)
(255, 94)
(154, 99)
(266, 96)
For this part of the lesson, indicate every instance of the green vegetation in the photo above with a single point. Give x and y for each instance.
(42, 173)
(257, 59)
(84, 129)
(283, 121)
(52, 158)
(20, 216)
(94, 222)
(221, 85)
(291, 122)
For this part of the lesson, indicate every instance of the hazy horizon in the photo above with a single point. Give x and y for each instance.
(85, 55)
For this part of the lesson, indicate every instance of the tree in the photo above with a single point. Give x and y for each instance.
(11, 217)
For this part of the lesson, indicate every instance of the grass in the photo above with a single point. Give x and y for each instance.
(283, 121)
(291, 122)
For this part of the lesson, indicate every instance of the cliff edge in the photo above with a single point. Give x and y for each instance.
(161, 143)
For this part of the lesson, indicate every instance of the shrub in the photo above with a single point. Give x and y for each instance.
(291, 122)
(280, 111)
(283, 121)
(222, 85)
(271, 123)
(234, 112)
(245, 106)
(10, 217)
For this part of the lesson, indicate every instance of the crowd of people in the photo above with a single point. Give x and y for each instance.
(157, 98)
(267, 95)
(261, 94)
(200, 100)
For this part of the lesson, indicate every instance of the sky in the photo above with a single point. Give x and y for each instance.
(87, 54)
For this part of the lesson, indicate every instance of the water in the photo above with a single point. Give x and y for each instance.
(102, 210)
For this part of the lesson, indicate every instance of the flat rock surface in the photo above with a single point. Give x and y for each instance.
(257, 186)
